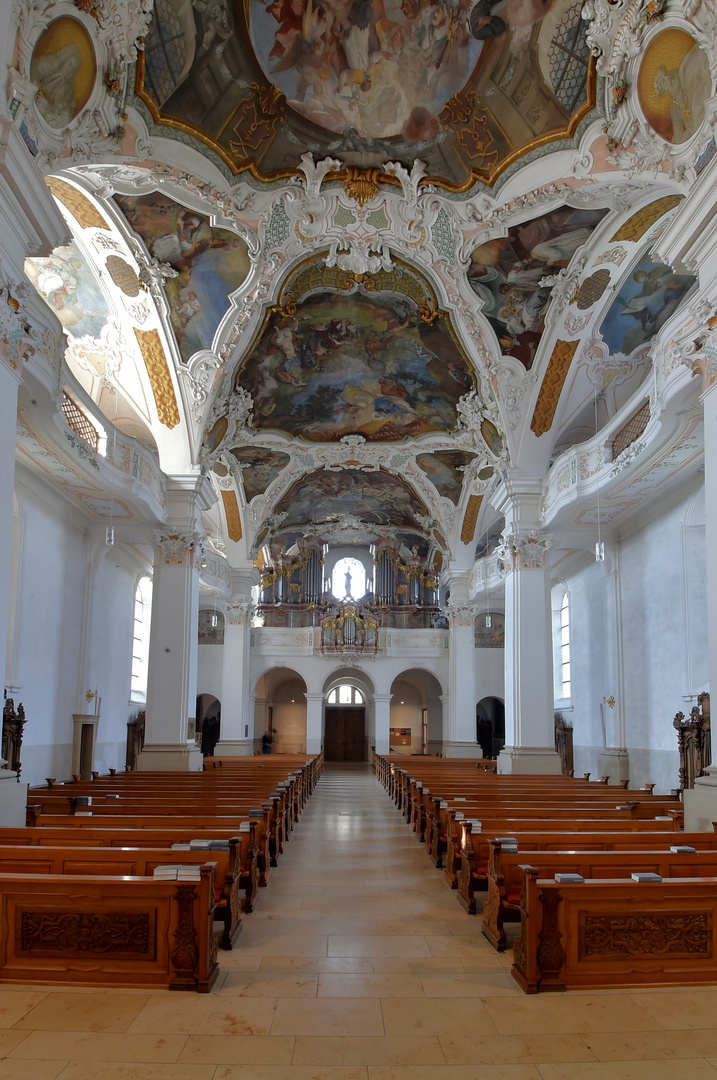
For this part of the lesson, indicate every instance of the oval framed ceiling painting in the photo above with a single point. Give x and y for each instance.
(673, 84)
(64, 69)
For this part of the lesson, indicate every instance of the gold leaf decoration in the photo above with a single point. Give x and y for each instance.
(83, 211)
(160, 379)
(470, 519)
(362, 185)
(123, 275)
(231, 510)
(640, 222)
(553, 380)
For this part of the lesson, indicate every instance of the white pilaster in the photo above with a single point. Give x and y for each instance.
(381, 722)
(172, 682)
(237, 730)
(529, 722)
(314, 722)
(459, 726)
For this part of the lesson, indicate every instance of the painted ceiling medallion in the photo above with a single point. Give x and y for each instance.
(469, 91)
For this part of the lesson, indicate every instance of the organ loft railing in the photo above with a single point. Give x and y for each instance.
(13, 722)
(694, 741)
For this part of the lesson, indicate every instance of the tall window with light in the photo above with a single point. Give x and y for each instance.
(564, 669)
(140, 639)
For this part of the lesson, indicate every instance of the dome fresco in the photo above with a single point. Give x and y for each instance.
(467, 88)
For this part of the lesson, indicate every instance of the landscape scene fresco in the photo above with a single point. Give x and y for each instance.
(68, 286)
(259, 467)
(506, 274)
(646, 300)
(377, 498)
(444, 469)
(211, 263)
(355, 365)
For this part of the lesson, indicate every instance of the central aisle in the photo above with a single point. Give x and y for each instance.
(357, 964)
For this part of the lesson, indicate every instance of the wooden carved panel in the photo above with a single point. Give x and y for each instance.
(671, 934)
(47, 933)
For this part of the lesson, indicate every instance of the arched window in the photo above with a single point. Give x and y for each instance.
(140, 639)
(346, 694)
(348, 581)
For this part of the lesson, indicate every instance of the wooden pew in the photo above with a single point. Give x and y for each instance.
(451, 841)
(613, 933)
(474, 848)
(505, 874)
(88, 832)
(443, 836)
(176, 830)
(135, 862)
(109, 931)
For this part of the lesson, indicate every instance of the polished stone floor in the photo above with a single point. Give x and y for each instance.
(357, 964)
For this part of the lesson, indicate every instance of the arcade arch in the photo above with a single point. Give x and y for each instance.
(416, 706)
(280, 709)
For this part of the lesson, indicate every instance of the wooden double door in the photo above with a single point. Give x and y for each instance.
(345, 734)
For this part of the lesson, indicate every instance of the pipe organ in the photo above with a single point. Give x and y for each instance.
(404, 594)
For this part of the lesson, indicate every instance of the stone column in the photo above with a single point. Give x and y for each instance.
(314, 722)
(172, 681)
(529, 699)
(381, 722)
(237, 729)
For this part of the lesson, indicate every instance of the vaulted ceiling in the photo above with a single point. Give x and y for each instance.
(358, 260)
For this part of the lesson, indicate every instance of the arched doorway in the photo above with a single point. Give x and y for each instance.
(209, 719)
(348, 715)
(345, 724)
(490, 726)
(281, 711)
(416, 724)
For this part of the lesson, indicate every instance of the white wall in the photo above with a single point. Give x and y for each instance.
(662, 609)
(50, 665)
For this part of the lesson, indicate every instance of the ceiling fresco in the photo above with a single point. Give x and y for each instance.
(374, 498)
(259, 467)
(469, 89)
(506, 274)
(445, 469)
(209, 263)
(645, 301)
(375, 364)
(69, 287)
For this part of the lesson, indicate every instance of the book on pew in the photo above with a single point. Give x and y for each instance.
(181, 847)
(684, 848)
(459, 815)
(570, 879)
(199, 845)
(507, 843)
(188, 873)
(245, 826)
(165, 873)
(218, 845)
(642, 877)
(256, 813)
